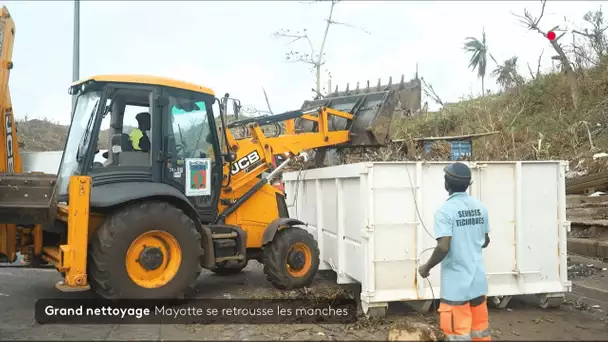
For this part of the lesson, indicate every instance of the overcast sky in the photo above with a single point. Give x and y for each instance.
(229, 46)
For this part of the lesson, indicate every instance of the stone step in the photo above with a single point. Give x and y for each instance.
(573, 200)
(588, 247)
(588, 205)
(587, 223)
(587, 213)
(589, 229)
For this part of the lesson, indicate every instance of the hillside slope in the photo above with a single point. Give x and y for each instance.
(535, 121)
(44, 135)
(41, 135)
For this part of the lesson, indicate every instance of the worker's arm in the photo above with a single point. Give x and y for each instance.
(440, 252)
(443, 234)
(486, 226)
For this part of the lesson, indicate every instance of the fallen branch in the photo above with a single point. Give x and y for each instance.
(516, 115)
(537, 66)
(430, 92)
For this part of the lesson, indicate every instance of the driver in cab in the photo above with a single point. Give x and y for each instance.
(139, 136)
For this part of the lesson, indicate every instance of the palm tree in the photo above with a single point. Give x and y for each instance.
(479, 57)
(507, 75)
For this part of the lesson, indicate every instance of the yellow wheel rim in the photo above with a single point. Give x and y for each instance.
(298, 260)
(153, 259)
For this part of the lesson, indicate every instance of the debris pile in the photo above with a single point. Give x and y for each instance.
(587, 165)
(414, 331)
(581, 271)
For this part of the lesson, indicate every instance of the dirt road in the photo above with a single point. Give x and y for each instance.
(19, 289)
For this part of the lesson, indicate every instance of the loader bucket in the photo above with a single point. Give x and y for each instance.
(372, 112)
(27, 198)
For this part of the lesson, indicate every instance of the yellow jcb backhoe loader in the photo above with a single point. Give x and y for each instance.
(146, 221)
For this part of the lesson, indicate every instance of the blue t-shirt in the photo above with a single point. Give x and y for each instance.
(463, 273)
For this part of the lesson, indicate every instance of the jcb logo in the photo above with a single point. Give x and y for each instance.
(9, 141)
(245, 162)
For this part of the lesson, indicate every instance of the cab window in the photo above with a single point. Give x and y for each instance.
(191, 129)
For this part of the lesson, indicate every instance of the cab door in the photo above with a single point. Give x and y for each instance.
(189, 150)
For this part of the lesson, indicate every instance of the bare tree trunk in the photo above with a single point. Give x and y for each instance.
(483, 86)
(570, 74)
(313, 58)
(532, 24)
(573, 82)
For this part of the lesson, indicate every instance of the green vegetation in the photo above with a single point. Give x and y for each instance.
(536, 120)
(479, 57)
(558, 115)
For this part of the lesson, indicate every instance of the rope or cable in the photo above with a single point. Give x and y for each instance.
(416, 204)
(427, 279)
(301, 176)
(426, 230)
(432, 294)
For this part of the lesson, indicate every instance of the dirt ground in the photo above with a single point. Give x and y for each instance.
(19, 289)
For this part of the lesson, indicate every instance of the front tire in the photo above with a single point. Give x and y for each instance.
(291, 260)
(149, 250)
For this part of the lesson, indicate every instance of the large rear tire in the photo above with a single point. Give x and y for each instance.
(149, 250)
(291, 260)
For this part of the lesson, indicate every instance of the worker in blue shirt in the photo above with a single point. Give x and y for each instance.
(461, 230)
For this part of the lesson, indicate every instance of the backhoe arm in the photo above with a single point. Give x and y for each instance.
(255, 153)
(10, 161)
(355, 120)
(9, 153)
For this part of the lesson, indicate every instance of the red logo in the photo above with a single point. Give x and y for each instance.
(200, 179)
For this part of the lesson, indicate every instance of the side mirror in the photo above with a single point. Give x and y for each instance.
(105, 154)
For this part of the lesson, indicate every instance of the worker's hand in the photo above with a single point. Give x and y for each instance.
(424, 271)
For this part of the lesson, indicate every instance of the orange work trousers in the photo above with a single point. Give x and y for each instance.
(465, 322)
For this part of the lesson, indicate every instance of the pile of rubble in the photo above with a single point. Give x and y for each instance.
(587, 165)
(581, 271)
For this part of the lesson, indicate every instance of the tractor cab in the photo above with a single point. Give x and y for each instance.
(151, 127)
